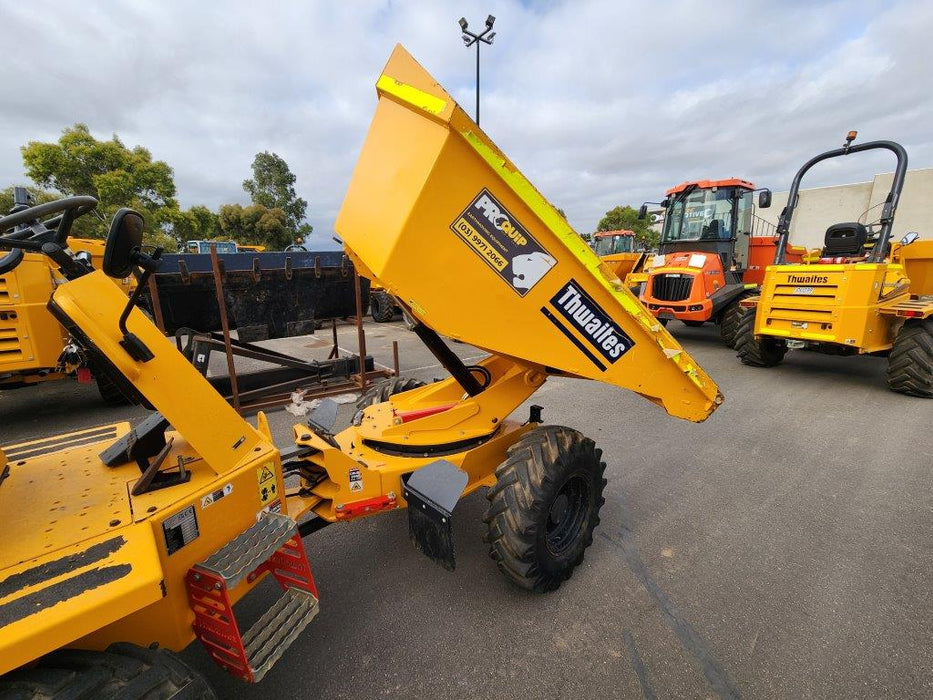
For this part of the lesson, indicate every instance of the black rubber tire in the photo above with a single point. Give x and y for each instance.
(124, 671)
(381, 307)
(547, 463)
(763, 352)
(381, 393)
(729, 321)
(694, 324)
(910, 364)
(108, 390)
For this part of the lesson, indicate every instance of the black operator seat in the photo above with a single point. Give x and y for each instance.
(845, 240)
(712, 230)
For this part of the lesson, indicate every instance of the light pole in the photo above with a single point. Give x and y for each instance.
(469, 38)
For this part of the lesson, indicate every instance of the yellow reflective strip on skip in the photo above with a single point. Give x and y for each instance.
(51, 601)
(410, 94)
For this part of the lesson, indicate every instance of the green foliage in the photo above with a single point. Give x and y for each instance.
(273, 187)
(587, 237)
(626, 218)
(196, 224)
(41, 197)
(255, 225)
(79, 164)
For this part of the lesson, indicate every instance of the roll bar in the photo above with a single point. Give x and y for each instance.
(887, 212)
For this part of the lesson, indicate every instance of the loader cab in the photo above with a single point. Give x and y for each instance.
(710, 217)
(613, 242)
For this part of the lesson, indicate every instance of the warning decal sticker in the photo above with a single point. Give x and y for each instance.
(267, 484)
(503, 243)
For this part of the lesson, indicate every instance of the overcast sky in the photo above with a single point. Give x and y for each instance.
(599, 102)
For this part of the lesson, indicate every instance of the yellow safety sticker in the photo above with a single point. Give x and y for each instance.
(267, 482)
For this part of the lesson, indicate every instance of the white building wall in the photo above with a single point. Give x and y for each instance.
(821, 207)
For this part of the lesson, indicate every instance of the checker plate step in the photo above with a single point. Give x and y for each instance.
(244, 553)
(279, 626)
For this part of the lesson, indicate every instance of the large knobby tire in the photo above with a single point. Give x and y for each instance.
(730, 319)
(381, 393)
(108, 390)
(910, 364)
(124, 671)
(381, 306)
(544, 507)
(761, 352)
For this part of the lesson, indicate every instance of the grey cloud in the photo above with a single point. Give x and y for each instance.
(599, 102)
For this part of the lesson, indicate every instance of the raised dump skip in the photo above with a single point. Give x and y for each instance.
(447, 224)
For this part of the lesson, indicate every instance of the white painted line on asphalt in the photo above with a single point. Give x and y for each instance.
(463, 359)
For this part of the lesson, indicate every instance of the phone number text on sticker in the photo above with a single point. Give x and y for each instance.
(494, 234)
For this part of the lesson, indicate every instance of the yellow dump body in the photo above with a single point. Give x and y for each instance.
(446, 223)
(917, 259)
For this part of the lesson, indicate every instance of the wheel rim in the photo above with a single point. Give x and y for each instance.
(567, 515)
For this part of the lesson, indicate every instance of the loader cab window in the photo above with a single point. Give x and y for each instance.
(744, 213)
(205, 246)
(700, 215)
(607, 245)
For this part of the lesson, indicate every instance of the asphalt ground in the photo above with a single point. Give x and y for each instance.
(781, 549)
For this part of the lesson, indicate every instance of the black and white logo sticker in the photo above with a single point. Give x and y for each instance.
(503, 243)
(576, 307)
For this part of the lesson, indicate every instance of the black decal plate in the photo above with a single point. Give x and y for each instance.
(573, 308)
(497, 237)
(180, 529)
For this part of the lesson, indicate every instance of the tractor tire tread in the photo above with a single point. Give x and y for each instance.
(753, 352)
(382, 307)
(731, 318)
(109, 392)
(383, 392)
(123, 671)
(910, 364)
(518, 503)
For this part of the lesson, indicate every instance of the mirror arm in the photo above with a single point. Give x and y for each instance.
(141, 285)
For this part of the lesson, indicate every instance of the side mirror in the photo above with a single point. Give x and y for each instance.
(909, 238)
(665, 202)
(124, 243)
(764, 199)
(642, 211)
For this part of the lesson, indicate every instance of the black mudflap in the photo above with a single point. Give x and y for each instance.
(432, 493)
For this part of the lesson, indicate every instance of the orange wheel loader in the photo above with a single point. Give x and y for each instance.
(712, 255)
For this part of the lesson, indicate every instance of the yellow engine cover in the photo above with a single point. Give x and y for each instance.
(838, 304)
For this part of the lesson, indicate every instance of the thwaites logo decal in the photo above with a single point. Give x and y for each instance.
(807, 279)
(575, 308)
(503, 243)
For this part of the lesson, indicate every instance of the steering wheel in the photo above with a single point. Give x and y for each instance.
(36, 233)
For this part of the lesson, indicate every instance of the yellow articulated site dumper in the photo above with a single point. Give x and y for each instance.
(121, 545)
(34, 347)
(617, 250)
(861, 296)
